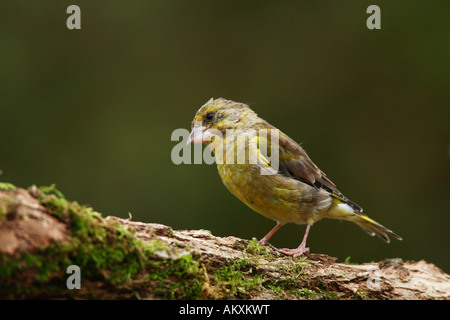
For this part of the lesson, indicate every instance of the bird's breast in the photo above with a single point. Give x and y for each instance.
(274, 196)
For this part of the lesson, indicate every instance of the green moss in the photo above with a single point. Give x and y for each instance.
(51, 190)
(7, 208)
(253, 247)
(360, 294)
(295, 282)
(6, 186)
(190, 278)
(107, 251)
(102, 249)
(237, 279)
(179, 279)
(327, 295)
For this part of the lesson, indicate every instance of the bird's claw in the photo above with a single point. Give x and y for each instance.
(293, 252)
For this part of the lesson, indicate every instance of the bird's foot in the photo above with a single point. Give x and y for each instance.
(293, 252)
(263, 241)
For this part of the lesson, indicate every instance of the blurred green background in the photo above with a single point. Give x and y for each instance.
(93, 110)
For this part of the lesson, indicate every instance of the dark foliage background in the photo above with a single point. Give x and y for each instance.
(93, 110)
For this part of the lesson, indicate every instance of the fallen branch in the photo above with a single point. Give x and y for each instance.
(42, 234)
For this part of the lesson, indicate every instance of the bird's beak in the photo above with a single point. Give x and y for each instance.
(199, 134)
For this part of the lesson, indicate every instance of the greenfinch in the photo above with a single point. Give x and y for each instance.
(274, 177)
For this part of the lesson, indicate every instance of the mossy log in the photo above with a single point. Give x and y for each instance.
(42, 234)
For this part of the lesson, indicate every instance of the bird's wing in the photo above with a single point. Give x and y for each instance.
(296, 164)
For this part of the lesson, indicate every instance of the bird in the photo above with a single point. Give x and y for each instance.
(282, 183)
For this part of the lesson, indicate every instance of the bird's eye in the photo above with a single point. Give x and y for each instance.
(209, 116)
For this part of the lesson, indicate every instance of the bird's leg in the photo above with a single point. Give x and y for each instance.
(271, 232)
(301, 248)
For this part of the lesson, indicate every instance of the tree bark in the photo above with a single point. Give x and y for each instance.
(39, 229)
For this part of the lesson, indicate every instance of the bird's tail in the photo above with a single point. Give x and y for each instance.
(372, 227)
(343, 211)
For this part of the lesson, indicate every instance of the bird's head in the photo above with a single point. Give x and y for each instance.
(217, 116)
